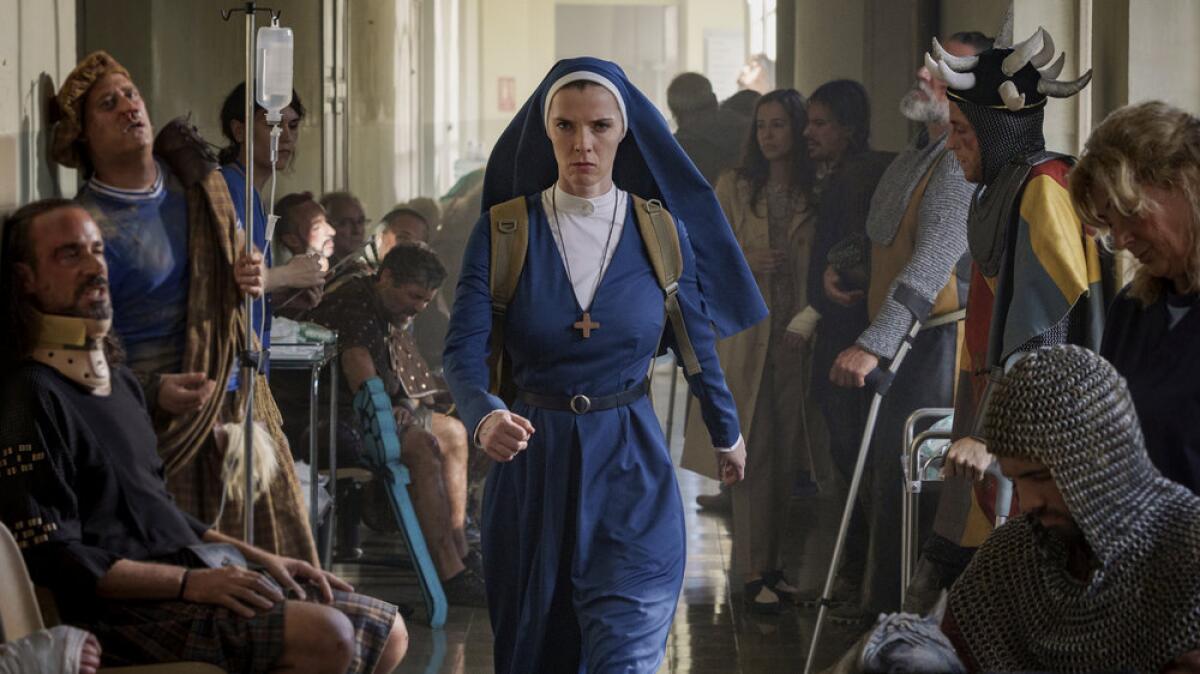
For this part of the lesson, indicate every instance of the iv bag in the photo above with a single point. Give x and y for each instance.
(273, 81)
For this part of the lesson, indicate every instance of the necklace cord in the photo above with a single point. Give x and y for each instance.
(563, 243)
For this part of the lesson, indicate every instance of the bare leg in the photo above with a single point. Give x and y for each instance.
(394, 649)
(452, 438)
(317, 639)
(423, 456)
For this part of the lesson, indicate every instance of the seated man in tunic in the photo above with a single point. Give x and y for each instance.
(1102, 570)
(82, 489)
(373, 317)
(406, 223)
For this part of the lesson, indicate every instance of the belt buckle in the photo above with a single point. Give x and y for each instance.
(581, 404)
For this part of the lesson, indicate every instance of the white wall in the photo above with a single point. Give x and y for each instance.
(1060, 18)
(829, 42)
(718, 19)
(517, 40)
(37, 50)
(984, 16)
(1164, 52)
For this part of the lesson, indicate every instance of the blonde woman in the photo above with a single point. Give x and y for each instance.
(1138, 181)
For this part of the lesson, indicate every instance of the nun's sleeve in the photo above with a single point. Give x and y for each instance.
(717, 408)
(466, 353)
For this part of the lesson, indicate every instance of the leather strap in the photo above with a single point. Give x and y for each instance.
(581, 404)
(662, 245)
(510, 243)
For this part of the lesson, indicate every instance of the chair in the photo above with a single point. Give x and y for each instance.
(381, 443)
(20, 615)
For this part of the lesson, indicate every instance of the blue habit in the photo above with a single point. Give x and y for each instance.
(583, 532)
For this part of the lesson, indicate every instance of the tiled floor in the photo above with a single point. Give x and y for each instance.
(712, 631)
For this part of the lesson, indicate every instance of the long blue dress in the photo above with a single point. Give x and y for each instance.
(583, 533)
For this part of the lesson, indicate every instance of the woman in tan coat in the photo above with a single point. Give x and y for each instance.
(768, 202)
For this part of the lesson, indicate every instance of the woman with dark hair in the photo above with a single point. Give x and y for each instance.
(768, 202)
(233, 127)
(302, 271)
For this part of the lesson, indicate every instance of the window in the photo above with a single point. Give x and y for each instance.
(761, 23)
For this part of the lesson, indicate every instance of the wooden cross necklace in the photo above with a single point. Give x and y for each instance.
(584, 325)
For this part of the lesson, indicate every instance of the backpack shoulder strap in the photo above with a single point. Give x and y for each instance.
(510, 239)
(510, 242)
(662, 244)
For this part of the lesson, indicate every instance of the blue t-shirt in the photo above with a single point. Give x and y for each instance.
(146, 247)
(235, 179)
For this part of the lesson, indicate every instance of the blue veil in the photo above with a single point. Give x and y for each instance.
(650, 164)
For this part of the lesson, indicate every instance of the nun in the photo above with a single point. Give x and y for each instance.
(583, 530)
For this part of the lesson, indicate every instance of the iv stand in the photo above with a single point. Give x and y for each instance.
(249, 360)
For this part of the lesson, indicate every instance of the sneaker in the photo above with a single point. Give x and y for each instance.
(780, 585)
(720, 503)
(474, 562)
(761, 599)
(465, 589)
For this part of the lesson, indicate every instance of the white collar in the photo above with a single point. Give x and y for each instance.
(148, 194)
(569, 204)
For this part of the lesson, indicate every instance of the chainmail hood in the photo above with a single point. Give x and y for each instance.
(1016, 606)
(1069, 409)
(1004, 136)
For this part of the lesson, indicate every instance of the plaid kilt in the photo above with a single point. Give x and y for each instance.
(148, 632)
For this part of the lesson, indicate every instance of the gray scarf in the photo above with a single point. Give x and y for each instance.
(897, 184)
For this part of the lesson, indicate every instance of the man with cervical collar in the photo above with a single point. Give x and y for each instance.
(81, 487)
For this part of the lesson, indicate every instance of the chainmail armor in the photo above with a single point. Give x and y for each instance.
(1016, 606)
(1053, 336)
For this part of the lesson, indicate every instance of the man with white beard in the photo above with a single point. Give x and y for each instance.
(918, 230)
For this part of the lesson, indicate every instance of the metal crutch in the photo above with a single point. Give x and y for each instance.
(880, 381)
